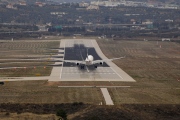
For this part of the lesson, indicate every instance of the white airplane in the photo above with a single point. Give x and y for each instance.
(89, 61)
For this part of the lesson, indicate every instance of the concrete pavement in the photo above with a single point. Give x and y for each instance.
(107, 96)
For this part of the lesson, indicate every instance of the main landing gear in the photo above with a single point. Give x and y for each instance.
(82, 67)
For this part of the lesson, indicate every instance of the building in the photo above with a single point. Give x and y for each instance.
(22, 3)
(166, 39)
(10, 6)
(93, 7)
(57, 13)
(147, 23)
(40, 4)
(83, 4)
(168, 20)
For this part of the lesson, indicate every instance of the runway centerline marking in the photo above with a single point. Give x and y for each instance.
(63, 59)
(103, 73)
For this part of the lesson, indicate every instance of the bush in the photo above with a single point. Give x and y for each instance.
(77, 103)
(94, 118)
(7, 114)
(81, 103)
(62, 114)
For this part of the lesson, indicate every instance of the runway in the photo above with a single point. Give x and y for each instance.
(76, 49)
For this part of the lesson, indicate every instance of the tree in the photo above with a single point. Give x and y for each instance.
(62, 114)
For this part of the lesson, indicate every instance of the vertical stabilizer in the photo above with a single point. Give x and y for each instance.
(87, 52)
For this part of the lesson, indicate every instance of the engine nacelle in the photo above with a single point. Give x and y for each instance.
(101, 63)
(77, 64)
(82, 67)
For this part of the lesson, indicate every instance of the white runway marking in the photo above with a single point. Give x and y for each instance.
(116, 73)
(63, 59)
(97, 74)
(107, 96)
(73, 73)
(112, 73)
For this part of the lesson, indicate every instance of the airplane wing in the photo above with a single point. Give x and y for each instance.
(73, 61)
(44, 59)
(5, 68)
(10, 61)
(106, 60)
(45, 66)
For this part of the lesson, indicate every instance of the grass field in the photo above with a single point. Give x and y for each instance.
(156, 70)
(47, 92)
(26, 50)
(27, 116)
(154, 95)
(154, 65)
(90, 112)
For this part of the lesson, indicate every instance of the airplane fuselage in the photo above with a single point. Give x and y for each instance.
(89, 60)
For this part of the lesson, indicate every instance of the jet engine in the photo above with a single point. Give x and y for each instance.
(101, 63)
(77, 64)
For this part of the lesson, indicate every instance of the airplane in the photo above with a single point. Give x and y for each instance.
(89, 61)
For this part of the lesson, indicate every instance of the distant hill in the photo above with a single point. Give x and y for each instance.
(86, 0)
(69, 1)
(75, 1)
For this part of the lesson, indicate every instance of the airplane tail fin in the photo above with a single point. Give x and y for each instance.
(87, 52)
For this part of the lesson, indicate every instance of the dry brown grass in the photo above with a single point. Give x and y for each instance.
(27, 116)
(156, 70)
(91, 112)
(45, 92)
(26, 50)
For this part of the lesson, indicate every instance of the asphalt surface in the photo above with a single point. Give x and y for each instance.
(76, 49)
(79, 52)
(107, 96)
